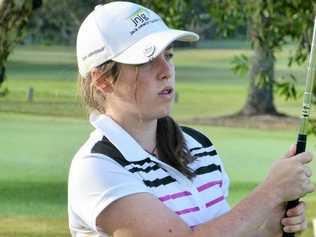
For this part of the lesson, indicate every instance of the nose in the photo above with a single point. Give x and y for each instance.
(165, 67)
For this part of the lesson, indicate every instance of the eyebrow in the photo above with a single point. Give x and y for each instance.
(170, 46)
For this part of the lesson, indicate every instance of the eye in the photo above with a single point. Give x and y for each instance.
(169, 55)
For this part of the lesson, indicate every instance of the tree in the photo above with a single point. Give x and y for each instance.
(13, 18)
(181, 13)
(272, 24)
(57, 22)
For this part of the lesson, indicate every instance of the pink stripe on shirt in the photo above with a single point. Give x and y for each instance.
(187, 210)
(213, 202)
(194, 209)
(210, 184)
(174, 196)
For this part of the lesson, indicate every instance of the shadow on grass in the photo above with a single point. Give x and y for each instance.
(33, 198)
(20, 65)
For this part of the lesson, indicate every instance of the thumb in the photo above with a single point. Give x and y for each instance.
(291, 152)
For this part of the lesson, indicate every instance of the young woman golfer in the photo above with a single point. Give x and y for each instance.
(140, 174)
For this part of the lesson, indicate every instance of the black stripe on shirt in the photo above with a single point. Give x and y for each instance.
(157, 182)
(142, 162)
(146, 170)
(210, 153)
(196, 148)
(200, 137)
(105, 147)
(208, 169)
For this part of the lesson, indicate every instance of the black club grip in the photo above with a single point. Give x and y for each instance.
(300, 147)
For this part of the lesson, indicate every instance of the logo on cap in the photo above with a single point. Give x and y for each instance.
(149, 51)
(139, 17)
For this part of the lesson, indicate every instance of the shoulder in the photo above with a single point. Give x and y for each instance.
(197, 136)
(99, 146)
(105, 147)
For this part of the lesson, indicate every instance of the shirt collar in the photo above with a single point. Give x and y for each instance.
(119, 137)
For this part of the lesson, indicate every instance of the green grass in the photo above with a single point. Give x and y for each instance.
(33, 227)
(40, 138)
(35, 157)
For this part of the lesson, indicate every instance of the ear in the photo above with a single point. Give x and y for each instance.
(103, 83)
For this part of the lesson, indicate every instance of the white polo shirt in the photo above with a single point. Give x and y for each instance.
(111, 165)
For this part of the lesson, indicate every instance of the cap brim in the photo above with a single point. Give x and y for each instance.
(151, 46)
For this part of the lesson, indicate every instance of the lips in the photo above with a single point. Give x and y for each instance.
(166, 91)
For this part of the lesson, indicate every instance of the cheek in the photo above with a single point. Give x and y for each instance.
(144, 90)
(125, 86)
(144, 85)
(125, 91)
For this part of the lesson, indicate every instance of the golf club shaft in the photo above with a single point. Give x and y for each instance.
(302, 136)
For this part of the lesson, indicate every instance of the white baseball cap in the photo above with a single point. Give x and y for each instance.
(123, 32)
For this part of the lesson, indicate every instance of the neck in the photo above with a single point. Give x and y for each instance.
(143, 131)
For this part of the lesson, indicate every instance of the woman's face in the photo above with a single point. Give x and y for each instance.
(151, 94)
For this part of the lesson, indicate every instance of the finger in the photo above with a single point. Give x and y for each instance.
(305, 157)
(297, 210)
(291, 152)
(308, 171)
(309, 187)
(295, 228)
(296, 220)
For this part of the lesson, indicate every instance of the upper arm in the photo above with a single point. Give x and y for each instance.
(141, 215)
(95, 182)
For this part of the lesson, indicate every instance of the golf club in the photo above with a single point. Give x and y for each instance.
(307, 101)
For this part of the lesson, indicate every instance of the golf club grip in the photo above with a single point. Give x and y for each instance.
(300, 147)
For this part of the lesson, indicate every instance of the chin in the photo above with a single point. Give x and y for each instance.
(164, 113)
(159, 114)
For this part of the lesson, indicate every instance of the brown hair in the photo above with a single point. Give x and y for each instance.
(93, 98)
(171, 146)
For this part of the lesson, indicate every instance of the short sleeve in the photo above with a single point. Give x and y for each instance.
(97, 181)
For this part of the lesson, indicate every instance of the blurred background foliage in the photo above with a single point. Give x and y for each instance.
(268, 25)
(57, 22)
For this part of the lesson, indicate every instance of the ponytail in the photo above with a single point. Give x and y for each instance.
(171, 146)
